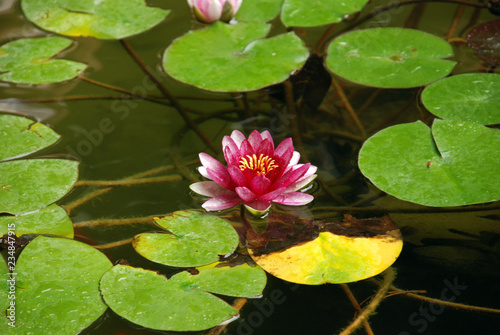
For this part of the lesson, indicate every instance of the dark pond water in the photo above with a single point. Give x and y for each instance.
(451, 254)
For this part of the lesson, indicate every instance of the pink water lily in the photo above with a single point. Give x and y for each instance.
(257, 174)
(209, 11)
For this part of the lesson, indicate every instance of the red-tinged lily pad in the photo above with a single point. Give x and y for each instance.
(104, 19)
(453, 164)
(390, 57)
(304, 251)
(234, 57)
(485, 39)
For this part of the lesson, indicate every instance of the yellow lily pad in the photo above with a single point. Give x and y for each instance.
(339, 253)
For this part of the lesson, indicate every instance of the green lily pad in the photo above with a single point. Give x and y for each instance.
(454, 164)
(104, 19)
(51, 220)
(28, 61)
(390, 57)
(6, 296)
(150, 300)
(21, 136)
(259, 10)
(195, 239)
(28, 185)
(234, 57)
(303, 251)
(219, 278)
(299, 13)
(58, 286)
(469, 97)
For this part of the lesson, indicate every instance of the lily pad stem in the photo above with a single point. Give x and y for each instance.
(175, 103)
(355, 303)
(115, 222)
(455, 305)
(349, 108)
(389, 276)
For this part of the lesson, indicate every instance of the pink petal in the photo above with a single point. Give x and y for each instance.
(267, 135)
(258, 206)
(294, 199)
(260, 184)
(301, 183)
(291, 176)
(203, 171)
(312, 170)
(221, 177)
(221, 202)
(296, 174)
(236, 5)
(266, 148)
(295, 158)
(284, 152)
(255, 139)
(272, 195)
(232, 155)
(237, 176)
(246, 194)
(246, 149)
(209, 162)
(209, 189)
(237, 137)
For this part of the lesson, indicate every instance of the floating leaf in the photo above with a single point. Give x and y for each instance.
(28, 61)
(6, 296)
(234, 57)
(179, 304)
(220, 278)
(51, 220)
(299, 13)
(105, 19)
(454, 164)
(195, 239)
(21, 136)
(58, 286)
(259, 10)
(304, 251)
(469, 97)
(28, 185)
(485, 39)
(390, 57)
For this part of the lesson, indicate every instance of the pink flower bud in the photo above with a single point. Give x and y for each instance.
(209, 11)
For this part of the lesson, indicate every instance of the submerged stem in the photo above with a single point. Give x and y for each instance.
(389, 276)
(113, 244)
(173, 100)
(114, 222)
(349, 108)
(355, 303)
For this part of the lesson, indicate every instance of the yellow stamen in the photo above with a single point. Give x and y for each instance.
(261, 165)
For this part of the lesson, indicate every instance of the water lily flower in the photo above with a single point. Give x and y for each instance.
(257, 174)
(209, 11)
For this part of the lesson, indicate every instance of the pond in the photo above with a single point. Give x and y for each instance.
(133, 116)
